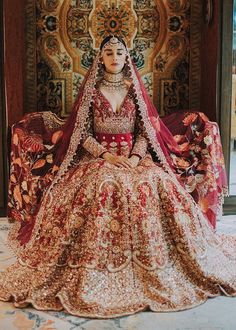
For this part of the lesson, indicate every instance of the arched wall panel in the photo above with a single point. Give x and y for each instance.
(64, 35)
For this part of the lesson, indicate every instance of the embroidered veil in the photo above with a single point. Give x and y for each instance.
(44, 148)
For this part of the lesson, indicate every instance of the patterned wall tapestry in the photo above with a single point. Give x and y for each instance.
(63, 37)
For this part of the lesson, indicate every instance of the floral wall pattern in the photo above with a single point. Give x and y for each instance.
(67, 34)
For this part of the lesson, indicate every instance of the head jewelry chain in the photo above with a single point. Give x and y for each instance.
(114, 42)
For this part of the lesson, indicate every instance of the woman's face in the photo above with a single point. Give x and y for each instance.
(114, 58)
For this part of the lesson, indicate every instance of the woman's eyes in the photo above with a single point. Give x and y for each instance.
(109, 54)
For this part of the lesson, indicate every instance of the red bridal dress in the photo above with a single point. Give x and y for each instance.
(101, 241)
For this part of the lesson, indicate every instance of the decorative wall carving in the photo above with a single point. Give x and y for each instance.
(157, 32)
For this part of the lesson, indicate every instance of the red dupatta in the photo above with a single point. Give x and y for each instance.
(56, 146)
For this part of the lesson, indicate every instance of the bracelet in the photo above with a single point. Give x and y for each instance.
(106, 152)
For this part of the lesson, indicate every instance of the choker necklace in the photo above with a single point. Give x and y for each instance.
(113, 81)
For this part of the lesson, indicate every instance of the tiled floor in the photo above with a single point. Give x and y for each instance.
(216, 314)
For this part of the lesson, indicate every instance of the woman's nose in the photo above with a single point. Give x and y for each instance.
(114, 57)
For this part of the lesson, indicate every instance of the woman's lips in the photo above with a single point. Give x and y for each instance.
(115, 64)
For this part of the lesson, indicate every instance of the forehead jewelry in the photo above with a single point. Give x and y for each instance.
(114, 42)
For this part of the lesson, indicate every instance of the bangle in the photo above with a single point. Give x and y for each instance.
(136, 155)
(106, 152)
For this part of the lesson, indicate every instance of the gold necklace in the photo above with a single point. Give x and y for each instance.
(113, 81)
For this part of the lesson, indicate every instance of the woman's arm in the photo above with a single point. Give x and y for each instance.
(97, 150)
(94, 147)
(90, 143)
(141, 143)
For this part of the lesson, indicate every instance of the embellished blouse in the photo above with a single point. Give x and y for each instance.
(120, 132)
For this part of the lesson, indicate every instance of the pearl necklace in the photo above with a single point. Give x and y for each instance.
(113, 81)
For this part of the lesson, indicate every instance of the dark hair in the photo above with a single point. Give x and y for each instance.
(106, 39)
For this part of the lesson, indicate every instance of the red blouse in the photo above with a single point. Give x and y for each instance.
(117, 132)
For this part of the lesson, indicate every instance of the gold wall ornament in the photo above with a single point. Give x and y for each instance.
(49, 5)
(63, 37)
(113, 17)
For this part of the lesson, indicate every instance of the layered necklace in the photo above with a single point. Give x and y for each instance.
(113, 81)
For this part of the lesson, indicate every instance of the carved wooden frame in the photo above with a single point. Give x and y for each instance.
(225, 90)
(195, 64)
(30, 86)
(208, 11)
(3, 126)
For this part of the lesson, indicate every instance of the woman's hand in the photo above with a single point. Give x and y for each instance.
(119, 161)
(134, 160)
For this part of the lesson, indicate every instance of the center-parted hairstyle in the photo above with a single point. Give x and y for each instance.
(108, 39)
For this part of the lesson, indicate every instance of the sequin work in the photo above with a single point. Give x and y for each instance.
(116, 241)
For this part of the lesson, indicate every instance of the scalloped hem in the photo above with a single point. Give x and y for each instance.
(146, 307)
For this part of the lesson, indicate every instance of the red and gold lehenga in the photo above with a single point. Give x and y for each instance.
(101, 241)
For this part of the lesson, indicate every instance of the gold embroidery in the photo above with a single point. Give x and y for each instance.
(94, 147)
(140, 147)
(106, 121)
(51, 120)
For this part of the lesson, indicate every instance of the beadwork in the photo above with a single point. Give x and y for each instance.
(113, 42)
(112, 82)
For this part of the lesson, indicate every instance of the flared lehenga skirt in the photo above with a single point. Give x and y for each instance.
(111, 242)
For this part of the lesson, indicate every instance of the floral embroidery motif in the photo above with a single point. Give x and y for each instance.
(95, 148)
(140, 147)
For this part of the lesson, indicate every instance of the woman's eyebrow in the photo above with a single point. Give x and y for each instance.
(111, 50)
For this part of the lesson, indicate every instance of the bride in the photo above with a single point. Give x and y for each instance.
(104, 226)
